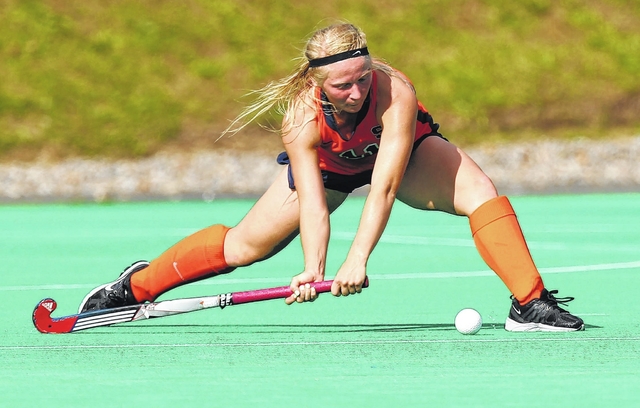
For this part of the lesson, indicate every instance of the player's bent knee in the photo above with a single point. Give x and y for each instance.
(479, 191)
(238, 253)
(241, 252)
(258, 237)
(485, 187)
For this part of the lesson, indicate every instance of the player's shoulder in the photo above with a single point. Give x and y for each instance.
(302, 105)
(394, 86)
(301, 118)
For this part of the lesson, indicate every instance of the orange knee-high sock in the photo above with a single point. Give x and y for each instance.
(196, 257)
(501, 244)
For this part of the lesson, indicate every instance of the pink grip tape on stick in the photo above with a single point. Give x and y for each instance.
(280, 292)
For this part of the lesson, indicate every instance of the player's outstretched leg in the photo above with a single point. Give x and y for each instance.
(267, 228)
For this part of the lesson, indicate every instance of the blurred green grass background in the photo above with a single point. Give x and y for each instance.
(115, 78)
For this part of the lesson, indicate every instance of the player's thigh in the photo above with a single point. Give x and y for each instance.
(270, 224)
(442, 177)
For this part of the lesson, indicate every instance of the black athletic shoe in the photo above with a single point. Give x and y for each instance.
(542, 314)
(113, 294)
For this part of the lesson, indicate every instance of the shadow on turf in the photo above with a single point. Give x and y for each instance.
(292, 328)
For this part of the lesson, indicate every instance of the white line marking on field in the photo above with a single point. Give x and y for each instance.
(389, 276)
(410, 240)
(468, 242)
(560, 269)
(324, 343)
(48, 287)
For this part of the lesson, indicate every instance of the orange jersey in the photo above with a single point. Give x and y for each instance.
(358, 153)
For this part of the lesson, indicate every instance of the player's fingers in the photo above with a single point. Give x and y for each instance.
(293, 298)
(314, 294)
(289, 300)
(359, 287)
(295, 284)
(300, 294)
(307, 292)
(335, 289)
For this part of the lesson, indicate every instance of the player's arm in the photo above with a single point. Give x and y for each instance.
(301, 137)
(397, 110)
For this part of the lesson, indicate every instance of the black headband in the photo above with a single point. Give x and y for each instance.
(319, 62)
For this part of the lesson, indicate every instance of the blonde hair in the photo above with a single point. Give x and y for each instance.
(281, 96)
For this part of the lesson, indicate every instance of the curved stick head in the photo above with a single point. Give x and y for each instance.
(43, 321)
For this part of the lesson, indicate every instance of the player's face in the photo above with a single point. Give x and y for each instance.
(347, 84)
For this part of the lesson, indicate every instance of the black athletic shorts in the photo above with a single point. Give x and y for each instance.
(347, 183)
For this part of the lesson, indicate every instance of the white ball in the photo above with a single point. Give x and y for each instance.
(468, 321)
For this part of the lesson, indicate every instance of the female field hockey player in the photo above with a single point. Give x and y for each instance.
(350, 120)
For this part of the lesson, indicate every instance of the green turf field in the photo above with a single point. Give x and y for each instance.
(392, 345)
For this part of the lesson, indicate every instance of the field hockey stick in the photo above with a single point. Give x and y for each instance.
(43, 321)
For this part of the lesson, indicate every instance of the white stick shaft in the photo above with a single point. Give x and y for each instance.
(176, 306)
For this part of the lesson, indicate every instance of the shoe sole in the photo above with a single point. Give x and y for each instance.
(513, 326)
(133, 268)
